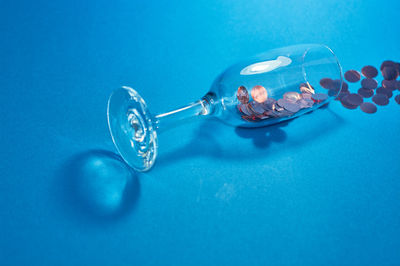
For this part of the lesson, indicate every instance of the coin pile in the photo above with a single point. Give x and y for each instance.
(380, 95)
(263, 107)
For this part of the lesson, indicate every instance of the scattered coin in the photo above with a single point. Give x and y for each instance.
(341, 95)
(369, 72)
(345, 86)
(390, 84)
(333, 93)
(368, 83)
(366, 93)
(346, 104)
(387, 63)
(380, 99)
(397, 98)
(242, 94)
(319, 97)
(390, 73)
(387, 92)
(368, 108)
(352, 76)
(336, 84)
(259, 93)
(326, 83)
(354, 99)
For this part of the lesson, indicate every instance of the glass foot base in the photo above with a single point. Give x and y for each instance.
(131, 128)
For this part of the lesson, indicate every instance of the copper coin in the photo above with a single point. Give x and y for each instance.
(390, 84)
(369, 72)
(387, 63)
(354, 99)
(397, 99)
(333, 93)
(326, 83)
(336, 83)
(368, 108)
(380, 99)
(319, 97)
(242, 94)
(366, 93)
(368, 83)
(390, 73)
(352, 76)
(346, 104)
(259, 93)
(345, 86)
(341, 95)
(387, 92)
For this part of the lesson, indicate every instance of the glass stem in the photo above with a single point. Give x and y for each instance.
(202, 107)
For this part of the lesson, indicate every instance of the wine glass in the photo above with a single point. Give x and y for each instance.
(262, 90)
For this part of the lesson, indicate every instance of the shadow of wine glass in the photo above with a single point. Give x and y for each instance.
(219, 142)
(99, 186)
(211, 143)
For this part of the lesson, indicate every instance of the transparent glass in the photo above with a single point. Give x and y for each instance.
(262, 90)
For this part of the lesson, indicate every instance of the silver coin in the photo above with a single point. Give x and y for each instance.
(291, 107)
(281, 102)
(269, 104)
(306, 96)
(256, 107)
(291, 96)
(245, 109)
(306, 103)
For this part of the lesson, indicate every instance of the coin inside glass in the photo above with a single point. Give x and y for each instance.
(259, 93)
(306, 88)
(242, 94)
(292, 96)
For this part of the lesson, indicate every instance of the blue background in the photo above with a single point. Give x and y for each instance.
(320, 190)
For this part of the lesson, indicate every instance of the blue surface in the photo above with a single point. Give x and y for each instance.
(320, 190)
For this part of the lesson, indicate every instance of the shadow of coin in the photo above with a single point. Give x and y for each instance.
(264, 136)
(97, 184)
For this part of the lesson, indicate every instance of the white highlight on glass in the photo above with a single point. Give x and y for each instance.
(266, 66)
